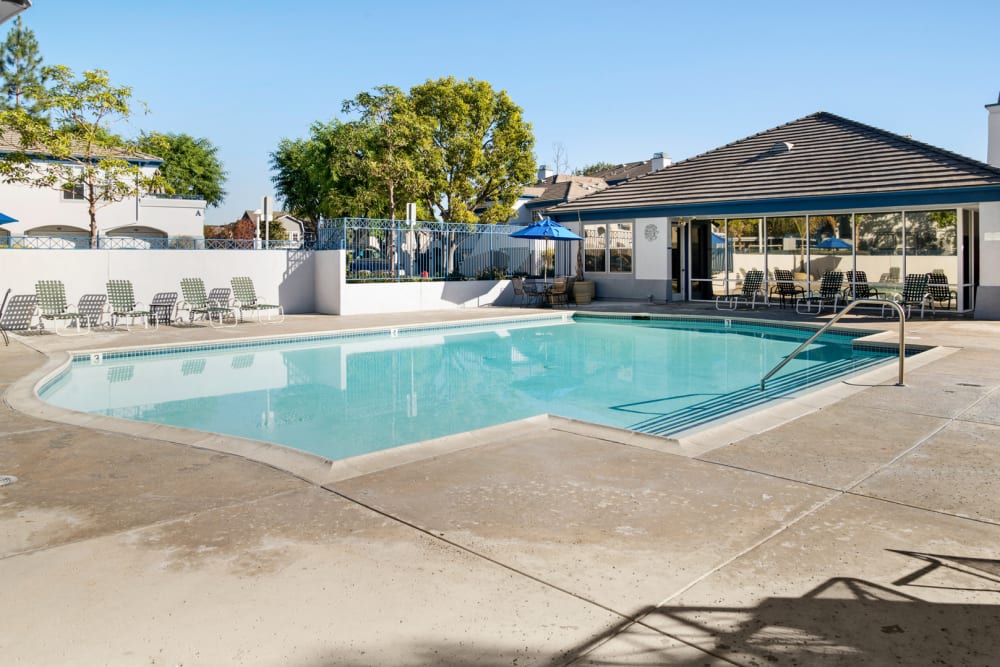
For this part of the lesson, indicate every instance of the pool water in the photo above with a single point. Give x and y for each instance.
(345, 396)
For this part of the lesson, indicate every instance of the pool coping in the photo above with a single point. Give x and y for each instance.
(23, 395)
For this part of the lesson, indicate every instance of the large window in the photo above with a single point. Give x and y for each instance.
(885, 246)
(620, 247)
(595, 246)
(608, 247)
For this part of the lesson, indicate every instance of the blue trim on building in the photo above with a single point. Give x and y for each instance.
(879, 200)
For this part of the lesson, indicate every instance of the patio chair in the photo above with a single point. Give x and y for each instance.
(751, 290)
(246, 299)
(914, 293)
(784, 287)
(196, 302)
(940, 291)
(17, 313)
(52, 307)
(830, 287)
(857, 287)
(523, 292)
(558, 293)
(161, 307)
(121, 296)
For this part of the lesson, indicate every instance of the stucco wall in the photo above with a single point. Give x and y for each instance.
(42, 207)
(335, 297)
(288, 276)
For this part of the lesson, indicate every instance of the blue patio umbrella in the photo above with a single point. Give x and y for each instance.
(4, 219)
(546, 229)
(833, 243)
(718, 239)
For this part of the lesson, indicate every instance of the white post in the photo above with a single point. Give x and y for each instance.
(256, 229)
(988, 292)
(267, 222)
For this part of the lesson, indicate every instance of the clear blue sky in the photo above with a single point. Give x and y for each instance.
(611, 82)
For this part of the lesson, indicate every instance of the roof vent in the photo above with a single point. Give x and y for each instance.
(782, 147)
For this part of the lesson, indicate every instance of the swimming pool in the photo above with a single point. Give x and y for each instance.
(341, 395)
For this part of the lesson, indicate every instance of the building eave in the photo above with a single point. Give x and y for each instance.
(823, 204)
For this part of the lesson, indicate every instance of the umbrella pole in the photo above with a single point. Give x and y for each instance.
(545, 262)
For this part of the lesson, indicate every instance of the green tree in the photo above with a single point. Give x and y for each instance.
(322, 176)
(388, 135)
(21, 69)
(453, 147)
(591, 169)
(77, 150)
(298, 178)
(480, 150)
(190, 166)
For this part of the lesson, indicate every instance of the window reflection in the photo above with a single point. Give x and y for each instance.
(620, 247)
(594, 247)
(880, 248)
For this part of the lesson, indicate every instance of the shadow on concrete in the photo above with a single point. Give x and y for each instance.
(843, 621)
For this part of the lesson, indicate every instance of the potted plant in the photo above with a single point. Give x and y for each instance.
(583, 290)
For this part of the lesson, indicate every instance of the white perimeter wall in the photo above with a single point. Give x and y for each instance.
(302, 281)
(334, 297)
(285, 275)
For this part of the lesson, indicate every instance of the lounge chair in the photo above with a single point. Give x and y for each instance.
(221, 296)
(52, 307)
(121, 296)
(196, 302)
(246, 299)
(785, 288)
(858, 288)
(829, 294)
(751, 290)
(914, 293)
(940, 291)
(17, 313)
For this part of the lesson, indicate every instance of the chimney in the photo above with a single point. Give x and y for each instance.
(660, 160)
(993, 134)
(544, 172)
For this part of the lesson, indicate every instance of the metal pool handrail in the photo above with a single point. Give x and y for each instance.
(822, 330)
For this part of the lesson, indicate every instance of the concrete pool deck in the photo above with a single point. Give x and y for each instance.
(860, 528)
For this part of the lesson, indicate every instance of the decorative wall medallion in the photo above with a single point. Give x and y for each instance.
(652, 232)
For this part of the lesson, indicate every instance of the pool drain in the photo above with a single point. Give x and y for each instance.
(7, 479)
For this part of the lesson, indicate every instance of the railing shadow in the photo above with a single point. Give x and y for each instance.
(843, 621)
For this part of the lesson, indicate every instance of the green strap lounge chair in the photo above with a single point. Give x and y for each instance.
(121, 297)
(246, 300)
(752, 289)
(830, 289)
(52, 307)
(196, 302)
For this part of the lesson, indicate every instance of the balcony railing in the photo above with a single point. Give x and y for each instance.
(81, 242)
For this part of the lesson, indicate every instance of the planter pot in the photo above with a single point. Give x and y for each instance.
(583, 292)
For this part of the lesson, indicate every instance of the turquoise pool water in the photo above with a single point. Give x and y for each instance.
(343, 396)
